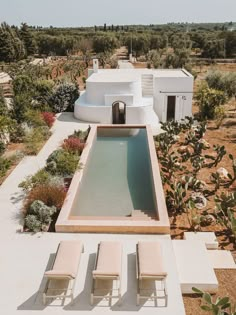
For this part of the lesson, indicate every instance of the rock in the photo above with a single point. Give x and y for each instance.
(223, 173)
(206, 145)
(199, 200)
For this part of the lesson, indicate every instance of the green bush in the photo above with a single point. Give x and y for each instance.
(34, 118)
(64, 97)
(17, 134)
(2, 147)
(62, 162)
(5, 164)
(35, 138)
(208, 100)
(32, 223)
(39, 216)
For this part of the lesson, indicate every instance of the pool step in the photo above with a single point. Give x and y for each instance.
(142, 215)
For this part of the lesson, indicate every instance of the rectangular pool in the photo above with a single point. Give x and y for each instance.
(116, 190)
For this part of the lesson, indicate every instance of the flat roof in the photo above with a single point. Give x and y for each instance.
(131, 75)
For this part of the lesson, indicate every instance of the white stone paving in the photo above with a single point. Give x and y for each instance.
(24, 257)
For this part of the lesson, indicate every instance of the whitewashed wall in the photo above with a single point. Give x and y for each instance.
(181, 87)
(96, 91)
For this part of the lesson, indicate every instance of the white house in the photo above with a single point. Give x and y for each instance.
(135, 96)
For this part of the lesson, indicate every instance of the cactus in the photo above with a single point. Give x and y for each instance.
(220, 151)
(225, 211)
(232, 178)
(222, 306)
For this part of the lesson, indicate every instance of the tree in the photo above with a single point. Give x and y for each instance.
(213, 49)
(7, 48)
(105, 43)
(23, 84)
(154, 58)
(28, 40)
(64, 97)
(224, 81)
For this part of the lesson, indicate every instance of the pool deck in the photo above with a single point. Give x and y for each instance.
(25, 259)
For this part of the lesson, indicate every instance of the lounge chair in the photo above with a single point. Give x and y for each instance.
(150, 269)
(64, 271)
(107, 272)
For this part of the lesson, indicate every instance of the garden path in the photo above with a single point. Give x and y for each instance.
(10, 194)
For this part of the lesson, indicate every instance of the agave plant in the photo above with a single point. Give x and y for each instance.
(221, 306)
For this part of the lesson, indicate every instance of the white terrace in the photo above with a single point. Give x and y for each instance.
(25, 257)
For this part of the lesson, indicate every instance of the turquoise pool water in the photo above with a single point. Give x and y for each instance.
(117, 177)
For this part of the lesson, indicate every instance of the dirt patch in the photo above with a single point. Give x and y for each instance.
(227, 285)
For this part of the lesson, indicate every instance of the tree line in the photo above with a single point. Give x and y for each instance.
(17, 43)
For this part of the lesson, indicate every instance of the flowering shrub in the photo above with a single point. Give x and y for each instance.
(73, 144)
(48, 118)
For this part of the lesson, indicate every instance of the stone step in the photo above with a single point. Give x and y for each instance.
(141, 215)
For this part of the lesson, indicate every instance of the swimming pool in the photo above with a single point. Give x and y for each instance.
(119, 187)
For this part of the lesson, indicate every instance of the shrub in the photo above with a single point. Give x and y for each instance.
(219, 115)
(73, 145)
(2, 147)
(34, 139)
(64, 97)
(33, 118)
(62, 162)
(32, 223)
(5, 164)
(50, 195)
(17, 134)
(40, 178)
(208, 100)
(39, 216)
(48, 118)
(82, 135)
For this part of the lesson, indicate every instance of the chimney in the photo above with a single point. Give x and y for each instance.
(95, 65)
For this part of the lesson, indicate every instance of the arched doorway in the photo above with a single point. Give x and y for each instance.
(118, 112)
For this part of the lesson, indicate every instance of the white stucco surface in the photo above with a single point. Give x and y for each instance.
(194, 267)
(24, 257)
(130, 85)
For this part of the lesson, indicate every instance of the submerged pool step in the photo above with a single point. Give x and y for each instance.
(142, 215)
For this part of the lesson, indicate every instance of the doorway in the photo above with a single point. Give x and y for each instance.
(118, 112)
(171, 102)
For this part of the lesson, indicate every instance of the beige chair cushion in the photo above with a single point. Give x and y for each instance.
(109, 259)
(67, 259)
(150, 259)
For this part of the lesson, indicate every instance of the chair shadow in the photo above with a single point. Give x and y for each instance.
(82, 301)
(35, 302)
(128, 299)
